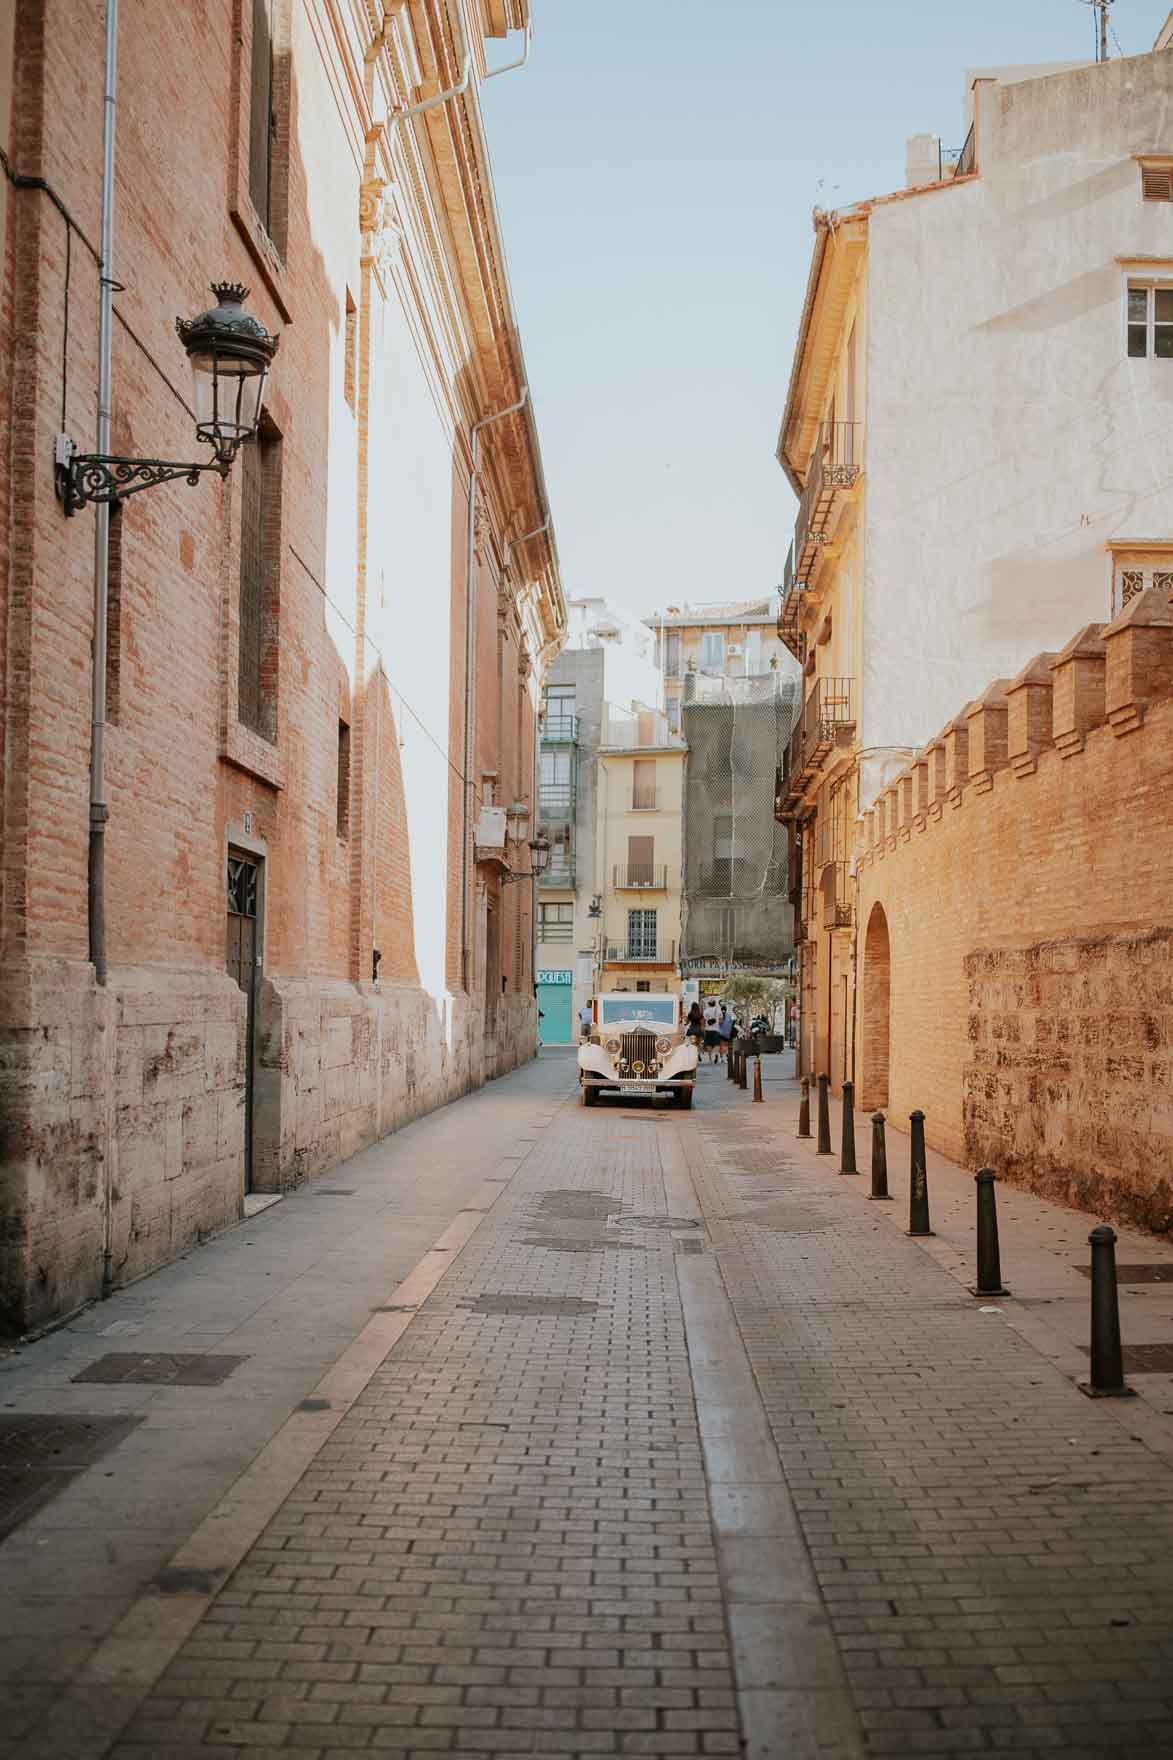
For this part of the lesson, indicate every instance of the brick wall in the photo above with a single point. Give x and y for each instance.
(1025, 897)
(122, 1111)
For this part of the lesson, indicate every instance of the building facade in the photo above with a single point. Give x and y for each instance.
(735, 638)
(638, 851)
(607, 662)
(973, 416)
(321, 673)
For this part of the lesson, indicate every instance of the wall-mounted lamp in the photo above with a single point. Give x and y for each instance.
(230, 353)
(539, 860)
(596, 909)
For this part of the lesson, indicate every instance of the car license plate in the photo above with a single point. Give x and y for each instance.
(639, 1087)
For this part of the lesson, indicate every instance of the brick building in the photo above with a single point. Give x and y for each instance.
(978, 393)
(322, 672)
(1015, 961)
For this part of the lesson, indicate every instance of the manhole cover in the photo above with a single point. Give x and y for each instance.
(691, 1245)
(654, 1222)
(40, 1455)
(523, 1304)
(1144, 1359)
(571, 1206)
(167, 1368)
(1137, 1273)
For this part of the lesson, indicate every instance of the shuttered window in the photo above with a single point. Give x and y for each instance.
(259, 466)
(1156, 182)
(261, 119)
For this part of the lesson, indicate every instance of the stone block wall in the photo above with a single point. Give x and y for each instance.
(1016, 923)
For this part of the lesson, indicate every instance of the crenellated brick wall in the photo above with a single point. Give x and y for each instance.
(1016, 926)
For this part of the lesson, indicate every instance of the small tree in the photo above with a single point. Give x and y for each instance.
(747, 991)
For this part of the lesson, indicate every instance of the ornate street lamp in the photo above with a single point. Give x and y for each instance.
(539, 860)
(230, 353)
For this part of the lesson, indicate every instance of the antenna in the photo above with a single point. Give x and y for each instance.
(1100, 20)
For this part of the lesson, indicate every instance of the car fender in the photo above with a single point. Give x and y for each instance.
(680, 1061)
(595, 1059)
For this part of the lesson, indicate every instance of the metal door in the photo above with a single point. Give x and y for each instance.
(554, 1001)
(244, 875)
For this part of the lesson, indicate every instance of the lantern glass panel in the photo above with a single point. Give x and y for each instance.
(229, 396)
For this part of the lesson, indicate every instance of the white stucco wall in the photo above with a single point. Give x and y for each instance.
(1009, 437)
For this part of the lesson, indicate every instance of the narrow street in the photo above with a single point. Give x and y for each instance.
(539, 1431)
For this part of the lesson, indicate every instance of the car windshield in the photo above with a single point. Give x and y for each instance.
(660, 1009)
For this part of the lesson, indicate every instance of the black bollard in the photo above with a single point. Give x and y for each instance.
(918, 1190)
(757, 1078)
(1107, 1379)
(742, 1070)
(847, 1148)
(823, 1147)
(729, 1061)
(879, 1158)
(804, 1109)
(989, 1264)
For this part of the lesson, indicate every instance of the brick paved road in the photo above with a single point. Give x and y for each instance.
(523, 1538)
(994, 1550)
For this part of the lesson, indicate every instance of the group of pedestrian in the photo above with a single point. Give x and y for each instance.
(712, 1027)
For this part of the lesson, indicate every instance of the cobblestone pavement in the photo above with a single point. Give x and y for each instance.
(690, 1453)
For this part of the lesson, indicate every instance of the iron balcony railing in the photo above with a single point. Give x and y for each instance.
(835, 465)
(640, 877)
(560, 730)
(562, 877)
(556, 801)
(827, 720)
(649, 953)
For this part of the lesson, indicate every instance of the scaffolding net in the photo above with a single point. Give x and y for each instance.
(736, 913)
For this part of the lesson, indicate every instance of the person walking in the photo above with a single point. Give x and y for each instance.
(712, 1016)
(586, 1020)
(694, 1026)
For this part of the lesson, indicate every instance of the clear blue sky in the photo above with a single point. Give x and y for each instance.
(656, 164)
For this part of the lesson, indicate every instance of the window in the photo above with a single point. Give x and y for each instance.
(556, 922)
(1135, 571)
(728, 927)
(1156, 180)
(643, 986)
(1150, 321)
(268, 90)
(260, 573)
(561, 869)
(343, 779)
(712, 651)
(672, 658)
(350, 368)
(641, 861)
(643, 793)
(559, 722)
(554, 782)
(673, 708)
(641, 934)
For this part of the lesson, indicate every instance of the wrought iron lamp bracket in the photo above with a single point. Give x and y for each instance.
(85, 477)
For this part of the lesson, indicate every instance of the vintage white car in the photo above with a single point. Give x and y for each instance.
(637, 1046)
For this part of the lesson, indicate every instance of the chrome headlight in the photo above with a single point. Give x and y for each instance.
(612, 1046)
(663, 1046)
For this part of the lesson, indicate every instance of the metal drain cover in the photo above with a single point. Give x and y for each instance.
(165, 1368)
(581, 1243)
(654, 1222)
(690, 1245)
(41, 1454)
(1144, 1359)
(1162, 1273)
(552, 1306)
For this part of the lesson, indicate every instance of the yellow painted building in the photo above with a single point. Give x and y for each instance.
(638, 856)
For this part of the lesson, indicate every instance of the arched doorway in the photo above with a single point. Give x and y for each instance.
(877, 1011)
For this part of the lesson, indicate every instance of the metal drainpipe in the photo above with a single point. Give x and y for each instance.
(453, 91)
(470, 669)
(508, 66)
(99, 810)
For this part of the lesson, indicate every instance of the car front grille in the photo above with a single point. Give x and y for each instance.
(639, 1048)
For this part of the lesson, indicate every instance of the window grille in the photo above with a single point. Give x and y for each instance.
(1156, 183)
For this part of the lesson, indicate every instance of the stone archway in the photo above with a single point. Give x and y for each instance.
(877, 1011)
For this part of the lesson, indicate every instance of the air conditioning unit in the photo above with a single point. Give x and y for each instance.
(734, 650)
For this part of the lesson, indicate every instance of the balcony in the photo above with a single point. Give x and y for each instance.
(559, 730)
(834, 469)
(556, 802)
(641, 953)
(827, 721)
(640, 877)
(644, 730)
(643, 800)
